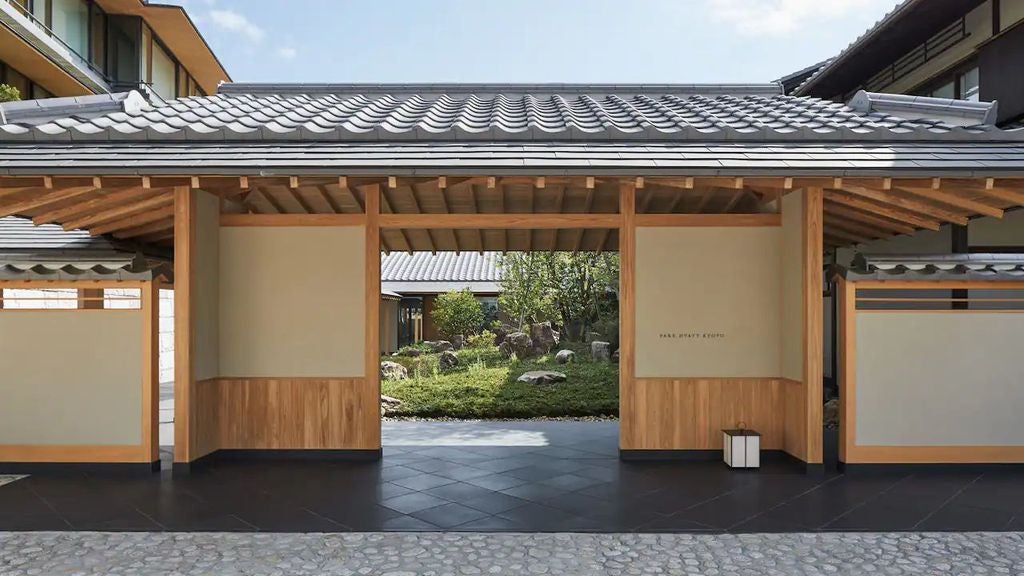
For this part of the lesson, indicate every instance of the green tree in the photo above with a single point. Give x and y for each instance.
(578, 284)
(524, 287)
(457, 314)
(9, 93)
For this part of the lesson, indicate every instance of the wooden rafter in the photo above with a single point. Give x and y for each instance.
(273, 202)
(301, 201)
(856, 215)
(132, 221)
(39, 201)
(950, 199)
(734, 200)
(101, 202)
(329, 199)
(159, 200)
(881, 208)
(146, 229)
(908, 204)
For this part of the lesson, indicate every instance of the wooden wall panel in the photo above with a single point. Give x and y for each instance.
(794, 399)
(287, 414)
(690, 413)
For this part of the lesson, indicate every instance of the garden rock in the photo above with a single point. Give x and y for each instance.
(501, 332)
(544, 337)
(458, 342)
(388, 404)
(565, 357)
(615, 357)
(517, 343)
(542, 377)
(441, 346)
(594, 336)
(409, 352)
(448, 360)
(393, 371)
(600, 350)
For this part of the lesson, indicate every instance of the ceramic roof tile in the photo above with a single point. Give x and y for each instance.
(366, 113)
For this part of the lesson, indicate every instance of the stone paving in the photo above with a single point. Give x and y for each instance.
(438, 554)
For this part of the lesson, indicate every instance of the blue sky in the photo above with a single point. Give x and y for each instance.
(527, 40)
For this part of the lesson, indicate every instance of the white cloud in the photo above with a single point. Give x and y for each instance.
(235, 22)
(287, 52)
(784, 17)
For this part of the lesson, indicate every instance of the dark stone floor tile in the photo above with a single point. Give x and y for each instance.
(462, 472)
(546, 519)
(492, 524)
(413, 502)
(408, 524)
(388, 490)
(290, 520)
(570, 482)
(534, 473)
(495, 502)
(431, 465)
(423, 481)
(398, 472)
(962, 518)
(459, 491)
(449, 515)
(534, 492)
(496, 482)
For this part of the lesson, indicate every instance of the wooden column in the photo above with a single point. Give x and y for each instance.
(151, 368)
(184, 375)
(813, 256)
(847, 350)
(372, 295)
(627, 299)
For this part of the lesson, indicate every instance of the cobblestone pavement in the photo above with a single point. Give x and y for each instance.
(391, 554)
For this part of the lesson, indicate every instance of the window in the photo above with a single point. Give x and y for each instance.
(970, 88)
(18, 80)
(98, 37)
(165, 72)
(41, 11)
(947, 90)
(70, 22)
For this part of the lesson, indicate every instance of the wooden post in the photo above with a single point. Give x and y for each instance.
(847, 294)
(627, 298)
(813, 272)
(372, 296)
(150, 301)
(184, 375)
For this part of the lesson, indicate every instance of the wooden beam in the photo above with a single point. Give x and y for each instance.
(329, 199)
(371, 377)
(834, 222)
(511, 221)
(133, 221)
(101, 202)
(344, 187)
(866, 218)
(950, 199)
(146, 229)
(274, 203)
(813, 331)
(911, 205)
(160, 200)
(887, 210)
(43, 200)
(710, 220)
(184, 377)
(627, 298)
(297, 195)
(734, 200)
(292, 220)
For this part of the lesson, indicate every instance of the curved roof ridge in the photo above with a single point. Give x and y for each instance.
(546, 88)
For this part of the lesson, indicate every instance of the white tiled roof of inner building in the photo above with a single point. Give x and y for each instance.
(441, 267)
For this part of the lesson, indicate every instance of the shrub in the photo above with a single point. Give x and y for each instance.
(457, 314)
(9, 93)
(484, 339)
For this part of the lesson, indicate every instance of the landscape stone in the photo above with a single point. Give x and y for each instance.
(600, 350)
(393, 371)
(565, 357)
(544, 337)
(517, 343)
(441, 346)
(830, 414)
(542, 377)
(448, 360)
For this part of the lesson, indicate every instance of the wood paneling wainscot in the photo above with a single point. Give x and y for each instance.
(690, 413)
(287, 414)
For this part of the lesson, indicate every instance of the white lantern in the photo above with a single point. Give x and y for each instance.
(742, 448)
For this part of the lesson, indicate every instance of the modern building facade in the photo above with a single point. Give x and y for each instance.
(60, 48)
(958, 49)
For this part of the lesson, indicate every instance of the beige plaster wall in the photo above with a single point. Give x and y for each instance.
(708, 302)
(939, 379)
(792, 339)
(206, 287)
(1008, 231)
(291, 302)
(71, 377)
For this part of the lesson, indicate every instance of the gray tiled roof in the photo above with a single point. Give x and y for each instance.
(936, 267)
(529, 113)
(909, 159)
(423, 272)
(32, 112)
(21, 235)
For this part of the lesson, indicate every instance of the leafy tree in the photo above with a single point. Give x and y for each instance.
(579, 284)
(9, 93)
(457, 314)
(524, 287)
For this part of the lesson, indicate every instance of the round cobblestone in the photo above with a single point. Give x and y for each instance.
(427, 554)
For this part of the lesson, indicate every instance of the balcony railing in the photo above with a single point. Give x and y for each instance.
(931, 49)
(83, 59)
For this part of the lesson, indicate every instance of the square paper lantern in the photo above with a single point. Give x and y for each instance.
(742, 448)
